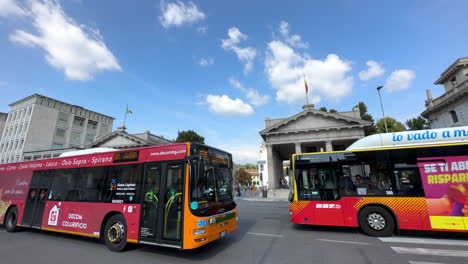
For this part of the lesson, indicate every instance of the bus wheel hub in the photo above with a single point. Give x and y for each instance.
(116, 232)
(376, 221)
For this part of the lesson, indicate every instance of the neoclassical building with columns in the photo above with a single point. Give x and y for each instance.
(311, 130)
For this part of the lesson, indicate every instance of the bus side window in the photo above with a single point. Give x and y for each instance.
(408, 180)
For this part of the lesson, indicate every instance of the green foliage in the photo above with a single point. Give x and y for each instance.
(333, 111)
(248, 166)
(190, 136)
(366, 116)
(323, 108)
(242, 177)
(392, 124)
(417, 123)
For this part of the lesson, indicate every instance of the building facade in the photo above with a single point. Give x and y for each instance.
(308, 131)
(3, 118)
(40, 123)
(451, 108)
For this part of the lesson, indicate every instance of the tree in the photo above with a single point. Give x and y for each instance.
(332, 111)
(248, 166)
(190, 136)
(242, 177)
(323, 108)
(366, 116)
(417, 123)
(392, 124)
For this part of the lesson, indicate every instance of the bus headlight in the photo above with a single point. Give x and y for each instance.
(200, 231)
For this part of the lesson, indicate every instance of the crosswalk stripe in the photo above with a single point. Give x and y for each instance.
(424, 241)
(424, 262)
(431, 251)
(342, 241)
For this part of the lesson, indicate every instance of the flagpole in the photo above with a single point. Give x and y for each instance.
(125, 118)
(307, 97)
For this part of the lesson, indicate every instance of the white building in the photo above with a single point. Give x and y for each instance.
(38, 123)
(451, 108)
(308, 131)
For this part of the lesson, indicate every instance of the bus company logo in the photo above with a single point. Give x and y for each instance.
(53, 216)
(328, 206)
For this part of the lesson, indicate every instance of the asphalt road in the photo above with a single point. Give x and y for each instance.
(265, 235)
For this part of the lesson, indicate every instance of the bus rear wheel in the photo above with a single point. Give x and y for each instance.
(115, 233)
(11, 219)
(376, 221)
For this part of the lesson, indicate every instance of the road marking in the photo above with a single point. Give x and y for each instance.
(432, 251)
(263, 234)
(423, 262)
(424, 241)
(342, 241)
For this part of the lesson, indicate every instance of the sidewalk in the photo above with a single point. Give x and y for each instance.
(273, 195)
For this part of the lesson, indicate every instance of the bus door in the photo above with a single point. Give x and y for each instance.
(37, 197)
(161, 220)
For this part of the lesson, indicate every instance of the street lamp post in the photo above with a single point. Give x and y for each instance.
(381, 105)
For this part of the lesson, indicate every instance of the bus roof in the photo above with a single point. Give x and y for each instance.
(412, 138)
(86, 151)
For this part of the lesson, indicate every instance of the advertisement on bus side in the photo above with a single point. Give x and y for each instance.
(445, 181)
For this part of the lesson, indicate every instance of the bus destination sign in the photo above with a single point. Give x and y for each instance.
(126, 156)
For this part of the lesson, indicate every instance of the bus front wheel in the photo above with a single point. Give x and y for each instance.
(376, 221)
(11, 220)
(115, 233)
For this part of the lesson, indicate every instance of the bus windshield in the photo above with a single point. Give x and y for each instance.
(211, 190)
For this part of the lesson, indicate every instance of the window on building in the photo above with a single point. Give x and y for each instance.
(1, 147)
(60, 133)
(75, 137)
(78, 122)
(46, 156)
(63, 119)
(20, 129)
(22, 143)
(56, 155)
(36, 157)
(454, 81)
(56, 145)
(104, 129)
(16, 145)
(29, 110)
(92, 125)
(16, 129)
(89, 138)
(27, 158)
(454, 116)
(25, 128)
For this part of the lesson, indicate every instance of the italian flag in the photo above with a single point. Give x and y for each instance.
(128, 111)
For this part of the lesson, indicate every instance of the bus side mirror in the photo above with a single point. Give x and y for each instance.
(291, 197)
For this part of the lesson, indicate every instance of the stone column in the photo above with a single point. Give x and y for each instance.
(298, 148)
(328, 146)
(272, 182)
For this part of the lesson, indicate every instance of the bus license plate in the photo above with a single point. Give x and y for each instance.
(223, 234)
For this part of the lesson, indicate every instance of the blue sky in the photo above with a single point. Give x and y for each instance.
(221, 67)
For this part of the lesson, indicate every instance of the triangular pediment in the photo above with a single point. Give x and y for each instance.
(314, 120)
(118, 139)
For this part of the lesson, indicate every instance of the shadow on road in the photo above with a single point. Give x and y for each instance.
(320, 228)
(206, 252)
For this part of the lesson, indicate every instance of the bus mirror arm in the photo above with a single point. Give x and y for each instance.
(291, 197)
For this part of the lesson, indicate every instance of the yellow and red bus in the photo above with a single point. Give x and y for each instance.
(177, 195)
(386, 182)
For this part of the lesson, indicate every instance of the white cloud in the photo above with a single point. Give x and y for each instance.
(242, 153)
(178, 14)
(285, 69)
(294, 40)
(245, 55)
(399, 80)
(205, 62)
(254, 97)
(76, 49)
(226, 106)
(202, 29)
(11, 8)
(374, 70)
